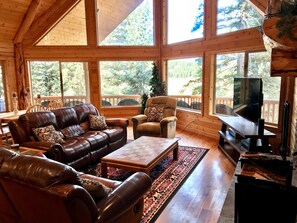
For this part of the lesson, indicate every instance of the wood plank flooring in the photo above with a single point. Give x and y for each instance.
(201, 197)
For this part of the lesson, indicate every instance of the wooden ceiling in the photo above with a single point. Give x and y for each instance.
(13, 12)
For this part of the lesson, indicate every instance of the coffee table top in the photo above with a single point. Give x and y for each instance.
(142, 151)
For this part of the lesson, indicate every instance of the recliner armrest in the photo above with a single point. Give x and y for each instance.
(168, 119)
(124, 197)
(138, 119)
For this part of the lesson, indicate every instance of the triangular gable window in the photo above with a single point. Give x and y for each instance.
(71, 30)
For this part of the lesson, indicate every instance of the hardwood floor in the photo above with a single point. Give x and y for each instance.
(202, 196)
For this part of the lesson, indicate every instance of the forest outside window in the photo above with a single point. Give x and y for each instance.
(124, 82)
(128, 24)
(257, 65)
(184, 77)
(185, 20)
(67, 81)
(233, 15)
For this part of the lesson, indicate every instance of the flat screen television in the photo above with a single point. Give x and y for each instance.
(248, 98)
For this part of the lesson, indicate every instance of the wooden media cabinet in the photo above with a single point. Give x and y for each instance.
(239, 135)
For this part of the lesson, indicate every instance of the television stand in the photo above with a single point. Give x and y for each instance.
(239, 135)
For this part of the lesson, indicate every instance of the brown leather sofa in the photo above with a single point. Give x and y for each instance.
(83, 146)
(36, 189)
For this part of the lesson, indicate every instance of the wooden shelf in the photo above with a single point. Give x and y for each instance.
(244, 133)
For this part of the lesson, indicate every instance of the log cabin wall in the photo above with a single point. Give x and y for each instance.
(205, 122)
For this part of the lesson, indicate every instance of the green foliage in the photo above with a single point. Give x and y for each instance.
(136, 29)
(237, 15)
(46, 78)
(157, 86)
(144, 98)
(288, 20)
(125, 77)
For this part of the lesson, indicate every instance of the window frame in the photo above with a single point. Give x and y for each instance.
(283, 84)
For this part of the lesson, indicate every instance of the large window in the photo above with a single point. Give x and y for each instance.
(128, 23)
(2, 92)
(184, 77)
(59, 80)
(257, 64)
(123, 82)
(235, 15)
(185, 20)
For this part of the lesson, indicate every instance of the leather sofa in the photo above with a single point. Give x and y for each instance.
(82, 145)
(37, 189)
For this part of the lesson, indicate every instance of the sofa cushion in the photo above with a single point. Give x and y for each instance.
(155, 114)
(96, 189)
(39, 171)
(48, 134)
(36, 120)
(83, 111)
(97, 122)
(96, 139)
(115, 133)
(65, 117)
(75, 148)
(72, 131)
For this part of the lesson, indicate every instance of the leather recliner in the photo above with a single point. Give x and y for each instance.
(36, 189)
(165, 127)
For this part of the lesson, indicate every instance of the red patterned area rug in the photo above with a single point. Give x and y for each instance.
(167, 177)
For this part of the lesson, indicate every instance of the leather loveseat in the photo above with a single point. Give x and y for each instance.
(36, 189)
(81, 146)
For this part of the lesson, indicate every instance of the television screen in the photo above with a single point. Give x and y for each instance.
(248, 98)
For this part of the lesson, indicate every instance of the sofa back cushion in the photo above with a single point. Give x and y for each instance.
(37, 120)
(83, 111)
(65, 117)
(38, 171)
(67, 122)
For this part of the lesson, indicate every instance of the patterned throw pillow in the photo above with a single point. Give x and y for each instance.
(97, 122)
(48, 134)
(95, 188)
(155, 114)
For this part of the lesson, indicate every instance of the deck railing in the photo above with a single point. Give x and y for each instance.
(270, 108)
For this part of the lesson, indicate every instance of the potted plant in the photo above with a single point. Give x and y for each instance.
(287, 22)
(157, 86)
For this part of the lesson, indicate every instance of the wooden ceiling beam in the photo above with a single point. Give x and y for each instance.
(260, 5)
(48, 20)
(23, 29)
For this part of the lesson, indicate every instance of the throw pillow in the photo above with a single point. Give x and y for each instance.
(97, 122)
(95, 188)
(155, 114)
(48, 134)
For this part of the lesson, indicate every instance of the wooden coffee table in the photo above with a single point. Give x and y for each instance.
(141, 155)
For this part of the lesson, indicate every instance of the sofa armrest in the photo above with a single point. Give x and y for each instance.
(53, 150)
(122, 122)
(124, 197)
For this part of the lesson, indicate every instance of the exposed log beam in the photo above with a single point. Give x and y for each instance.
(48, 20)
(19, 54)
(260, 5)
(27, 21)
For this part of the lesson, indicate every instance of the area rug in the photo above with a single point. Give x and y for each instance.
(167, 177)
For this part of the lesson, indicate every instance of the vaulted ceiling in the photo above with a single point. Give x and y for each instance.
(13, 12)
